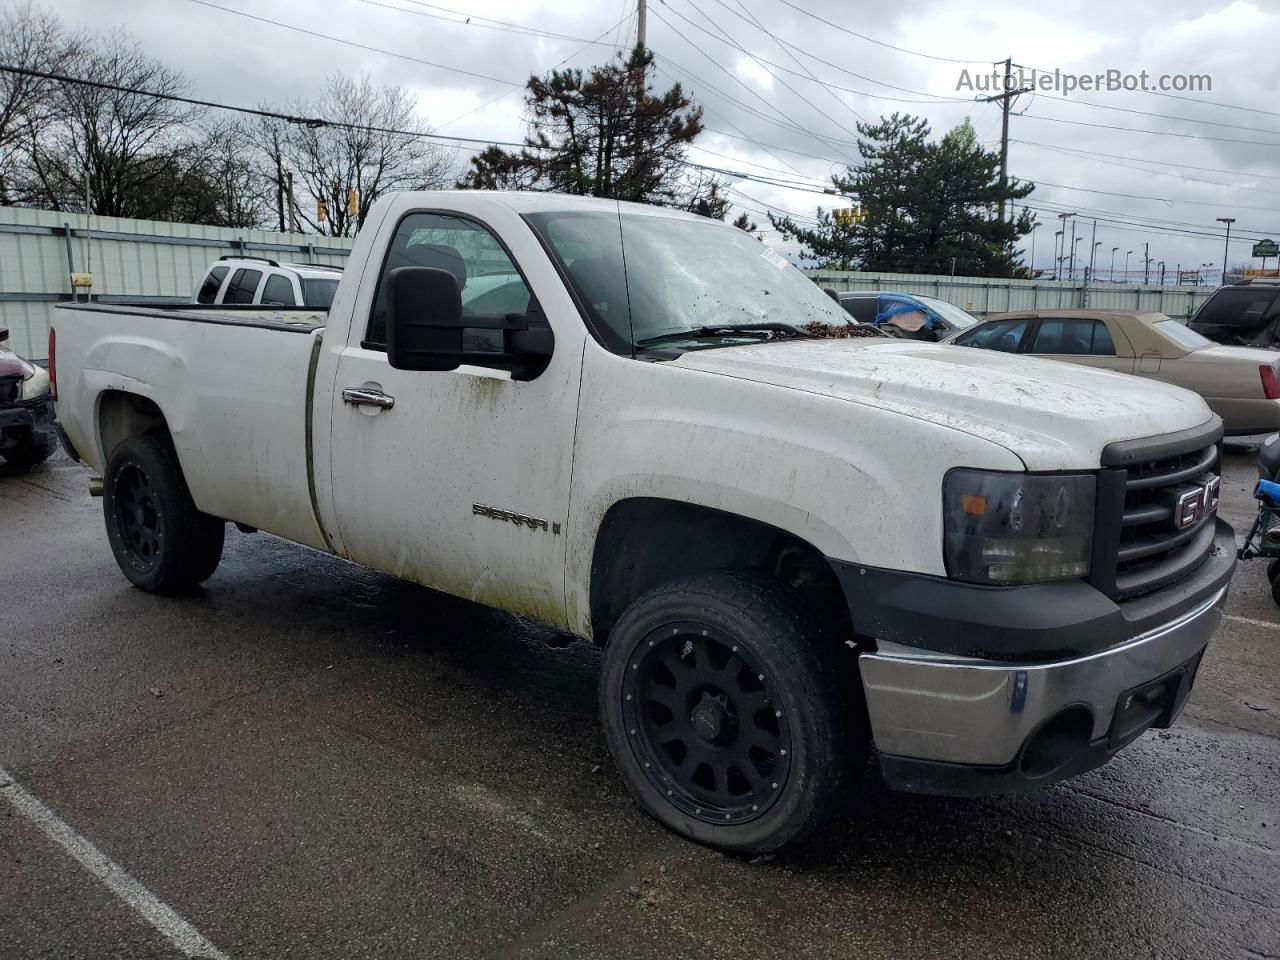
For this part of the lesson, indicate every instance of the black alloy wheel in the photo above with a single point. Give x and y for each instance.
(139, 517)
(705, 725)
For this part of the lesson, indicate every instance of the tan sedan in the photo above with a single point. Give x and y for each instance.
(1240, 384)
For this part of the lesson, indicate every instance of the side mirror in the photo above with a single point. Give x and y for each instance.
(4, 334)
(424, 319)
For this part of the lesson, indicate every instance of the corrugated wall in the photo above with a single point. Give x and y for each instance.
(981, 296)
(129, 260)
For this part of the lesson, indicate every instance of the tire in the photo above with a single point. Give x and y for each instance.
(34, 450)
(1275, 591)
(160, 540)
(1273, 570)
(765, 707)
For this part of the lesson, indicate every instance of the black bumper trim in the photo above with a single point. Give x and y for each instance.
(1030, 624)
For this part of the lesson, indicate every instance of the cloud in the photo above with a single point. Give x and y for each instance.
(761, 126)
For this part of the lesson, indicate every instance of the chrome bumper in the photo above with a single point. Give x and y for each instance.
(981, 712)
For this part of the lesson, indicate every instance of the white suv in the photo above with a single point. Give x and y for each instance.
(250, 280)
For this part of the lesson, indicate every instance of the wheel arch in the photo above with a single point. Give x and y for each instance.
(644, 541)
(122, 414)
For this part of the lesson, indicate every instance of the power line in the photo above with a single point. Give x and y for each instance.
(794, 58)
(353, 43)
(1138, 196)
(719, 66)
(505, 94)
(937, 98)
(468, 18)
(317, 122)
(1163, 163)
(1158, 173)
(803, 99)
(879, 43)
(1162, 116)
(1110, 126)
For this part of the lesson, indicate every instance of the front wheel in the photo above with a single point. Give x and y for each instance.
(729, 712)
(159, 538)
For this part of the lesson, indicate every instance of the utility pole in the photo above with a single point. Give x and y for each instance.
(1033, 251)
(280, 191)
(641, 18)
(1006, 98)
(1226, 243)
(1146, 264)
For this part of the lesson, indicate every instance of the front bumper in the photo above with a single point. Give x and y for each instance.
(24, 422)
(947, 720)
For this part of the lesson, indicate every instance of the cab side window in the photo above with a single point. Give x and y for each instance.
(212, 284)
(488, 280)
(278, 291)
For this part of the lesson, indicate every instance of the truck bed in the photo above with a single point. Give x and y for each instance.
(234, 385)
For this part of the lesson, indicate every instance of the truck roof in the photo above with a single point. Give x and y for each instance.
(528, 201)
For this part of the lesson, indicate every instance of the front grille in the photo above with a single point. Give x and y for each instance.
(1157, 513)
(10, 387)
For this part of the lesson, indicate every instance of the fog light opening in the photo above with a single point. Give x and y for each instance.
(1055, 744)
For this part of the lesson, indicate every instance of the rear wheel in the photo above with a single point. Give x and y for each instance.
(159, 538)
(728, 713)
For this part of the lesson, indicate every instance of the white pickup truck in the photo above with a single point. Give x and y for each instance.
(649, 429)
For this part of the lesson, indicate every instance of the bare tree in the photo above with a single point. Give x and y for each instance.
(33, 39)
(369, 156)
(126, 149)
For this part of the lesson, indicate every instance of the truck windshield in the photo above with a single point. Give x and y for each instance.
(648, 278)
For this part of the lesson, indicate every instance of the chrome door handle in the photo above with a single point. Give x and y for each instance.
(368, 397)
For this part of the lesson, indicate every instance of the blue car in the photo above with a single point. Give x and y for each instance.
(906, 314)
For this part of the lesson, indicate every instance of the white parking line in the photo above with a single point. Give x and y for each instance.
(1250, 620)
(172, 927)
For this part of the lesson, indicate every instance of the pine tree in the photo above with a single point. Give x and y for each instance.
(605, 133)
(923, 204)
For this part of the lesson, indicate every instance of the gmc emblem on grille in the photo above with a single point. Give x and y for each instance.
(1195, 501)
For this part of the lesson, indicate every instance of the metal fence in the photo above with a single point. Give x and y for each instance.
(138, 260)
(984, 296)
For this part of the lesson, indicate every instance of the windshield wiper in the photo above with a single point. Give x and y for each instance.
(720, 329)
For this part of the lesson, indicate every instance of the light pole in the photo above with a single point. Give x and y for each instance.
(1093, 256)
(1033, 248)
(1206, 267)
(1057, 254)
(1225, 243)
(1112, 275)
(1126, 265)
(1075, 241)
(1063, 217)
(1162, 273)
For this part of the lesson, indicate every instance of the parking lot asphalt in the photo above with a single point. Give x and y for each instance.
(307, 759)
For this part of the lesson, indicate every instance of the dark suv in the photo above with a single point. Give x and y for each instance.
(1242, 314)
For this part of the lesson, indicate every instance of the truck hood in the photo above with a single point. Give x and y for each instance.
(1052, 415)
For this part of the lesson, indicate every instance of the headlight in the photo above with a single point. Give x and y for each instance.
(1005, 528)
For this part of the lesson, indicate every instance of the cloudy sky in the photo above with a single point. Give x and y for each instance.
(782, 89)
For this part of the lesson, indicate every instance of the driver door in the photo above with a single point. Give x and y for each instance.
(458, 480)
